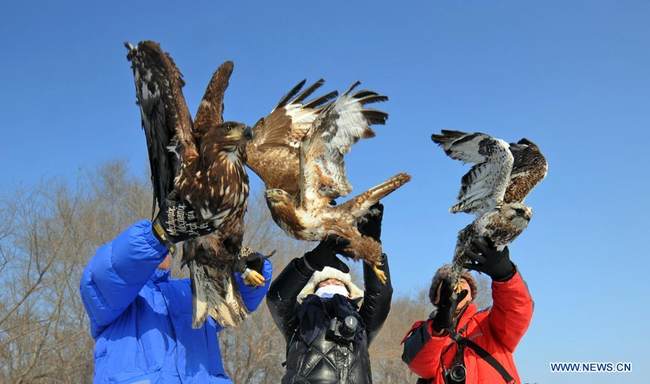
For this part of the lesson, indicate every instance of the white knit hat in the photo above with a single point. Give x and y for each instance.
(330, 273)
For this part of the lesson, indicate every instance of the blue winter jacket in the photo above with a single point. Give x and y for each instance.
(141, 319)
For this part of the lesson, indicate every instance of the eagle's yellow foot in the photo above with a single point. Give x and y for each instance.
(253, 278)
(457, 287)
(381, 275)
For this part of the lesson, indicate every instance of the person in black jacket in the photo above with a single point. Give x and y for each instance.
(327, 321)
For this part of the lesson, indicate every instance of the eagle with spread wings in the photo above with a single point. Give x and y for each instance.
(199, 162)
(495, 187)
(298, 151)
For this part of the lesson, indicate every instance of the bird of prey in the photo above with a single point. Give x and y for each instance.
(201, 162)
(298, 151)
(495, 187)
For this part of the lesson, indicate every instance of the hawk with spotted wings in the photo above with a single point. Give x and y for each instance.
(200, 163)
(298, 151)
(495, 187)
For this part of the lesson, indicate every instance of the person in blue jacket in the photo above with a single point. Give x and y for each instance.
(141, 319)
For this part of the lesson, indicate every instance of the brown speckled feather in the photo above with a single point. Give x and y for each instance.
(165, 117)
(202, 163)
(218, 190)
(337, 128)
(501, 181)
(303, 208)
(210, 112)
(528, 170)
(273, 153)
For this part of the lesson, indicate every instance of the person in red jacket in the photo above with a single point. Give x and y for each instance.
(459, 344)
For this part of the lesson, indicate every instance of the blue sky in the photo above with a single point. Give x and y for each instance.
(571, 76)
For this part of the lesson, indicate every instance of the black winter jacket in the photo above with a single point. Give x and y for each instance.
(314, 356)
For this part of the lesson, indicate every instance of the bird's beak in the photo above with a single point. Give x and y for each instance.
(248, 133)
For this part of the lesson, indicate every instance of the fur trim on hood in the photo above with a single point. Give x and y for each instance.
(330, 273)
(444, 273)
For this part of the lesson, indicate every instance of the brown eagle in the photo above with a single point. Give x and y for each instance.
(202, 163)
(298, 151)
(494, 189)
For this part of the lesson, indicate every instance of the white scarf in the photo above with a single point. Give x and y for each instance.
(328, 291)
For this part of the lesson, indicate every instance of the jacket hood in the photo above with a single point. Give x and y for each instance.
(444, 273)
(330, 273)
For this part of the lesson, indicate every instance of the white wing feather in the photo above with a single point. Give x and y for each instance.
(484, 186)
(334, 132)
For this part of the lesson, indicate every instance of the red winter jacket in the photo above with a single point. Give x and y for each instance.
(497, 330)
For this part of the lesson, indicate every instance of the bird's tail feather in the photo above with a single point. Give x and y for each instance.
(215, 294)
(360, 204)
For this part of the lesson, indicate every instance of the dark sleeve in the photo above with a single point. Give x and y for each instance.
(281, 297)
(376, 300)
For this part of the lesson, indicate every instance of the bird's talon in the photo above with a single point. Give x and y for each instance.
(381, 275)
(253, 278)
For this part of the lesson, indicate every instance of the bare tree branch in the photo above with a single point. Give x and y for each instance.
(48, 235)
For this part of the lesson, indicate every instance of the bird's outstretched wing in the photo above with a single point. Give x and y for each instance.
(200, 163)
(273, 153)
(209, 181)
(210, 112)
(338, 126)
(484, 186)
(165, 117)
(528, 170)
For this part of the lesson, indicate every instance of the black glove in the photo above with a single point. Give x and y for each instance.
(178, 222)
(325, 252)
(250, 266)
(254, 261)
(443, 317)
(485, 258)
(325, 255)
(370, 225)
